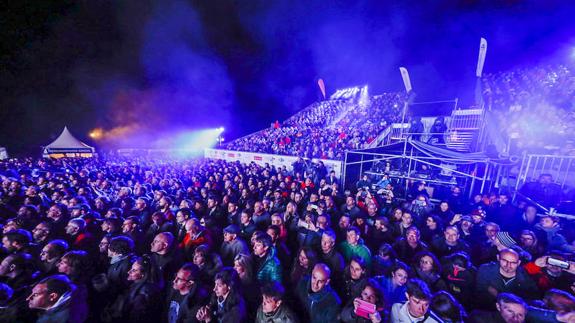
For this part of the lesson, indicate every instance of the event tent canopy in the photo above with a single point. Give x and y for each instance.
(66, 145)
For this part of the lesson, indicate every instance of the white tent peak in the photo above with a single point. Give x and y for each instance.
(67, 140)
(66, 143)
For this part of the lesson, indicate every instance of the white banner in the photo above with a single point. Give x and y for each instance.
(481, 58)
(406, 80)
(261, 159)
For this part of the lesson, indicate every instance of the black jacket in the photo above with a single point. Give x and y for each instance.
(189, 305)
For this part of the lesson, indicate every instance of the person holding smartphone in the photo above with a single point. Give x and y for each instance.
(368, 307)
(551, 271)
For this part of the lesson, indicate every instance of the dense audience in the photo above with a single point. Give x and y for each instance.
(527, 101)
(326, 129)
(135, 240)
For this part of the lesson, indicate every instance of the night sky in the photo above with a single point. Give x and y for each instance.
(143, 70)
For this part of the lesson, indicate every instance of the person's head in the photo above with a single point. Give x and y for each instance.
(320, 277)
(432, 222)
(511, 308)
(397, 214)
(183, 215)
(357, 268)
(16, 239)
(418, 297)
(143, 269)
(328, 239)
(559, 301)
(274, 232)
(427, 262)
(224, 283)
(447, 307)
(53, 251)
(444, 206)
(528, 239)
(399, 273)
(243, 266)
(120, 246)
(42, 231)
(412, 235)
(353, 236)
(162, 243)
(548, 221)
(104, 243)
(15, 264)
(201, 255)
(491, 230)
(74, 264)
(75, 226)
(48, 291)
(272, 297)
(509, 261)
(307, 258)
(185, 278)
(344, 221)
(245, 217)
(406, 219)
(372, 293)
(262, 244)
(130, 224)
(451, 234)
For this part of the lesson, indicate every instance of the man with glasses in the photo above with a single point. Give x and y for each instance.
(503, 276)
(186, 296)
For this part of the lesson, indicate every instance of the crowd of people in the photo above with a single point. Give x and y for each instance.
(528, 101)
(326, 129)
(131, 240)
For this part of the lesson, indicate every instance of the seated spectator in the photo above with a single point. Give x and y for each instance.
(273, 308)
(164, 255)
(53, 297)
(186, 295)
(50, 255)
(320, 303)
(226, 304)
(233, 245)
(416, 308)
(209, 263)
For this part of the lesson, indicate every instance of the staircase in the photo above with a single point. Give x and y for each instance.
(465, 130)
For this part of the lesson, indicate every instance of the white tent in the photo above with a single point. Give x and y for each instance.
(66, 145)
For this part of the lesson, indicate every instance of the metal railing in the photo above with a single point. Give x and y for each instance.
(562, 168)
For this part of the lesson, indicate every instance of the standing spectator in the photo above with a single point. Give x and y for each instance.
(273, 308)
(320, 302)
(269, 268)
(503, 276)
(354, 247)
(416, 308)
